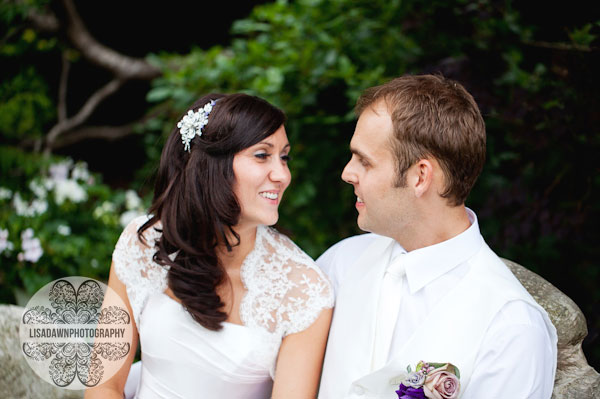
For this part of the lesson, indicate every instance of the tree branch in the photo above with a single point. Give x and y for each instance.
(70, 137)
(122, 66)
(62, 88)
(90, 105)
(109, 133)
(46, 22)
(558, 46)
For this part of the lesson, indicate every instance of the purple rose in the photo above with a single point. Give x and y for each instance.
(405, 392)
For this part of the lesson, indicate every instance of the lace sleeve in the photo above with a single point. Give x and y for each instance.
(307, 289)
(310, 292)
(135, 268)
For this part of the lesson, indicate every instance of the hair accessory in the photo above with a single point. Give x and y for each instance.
(191, 125)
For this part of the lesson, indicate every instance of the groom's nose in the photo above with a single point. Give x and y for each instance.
(348, 174)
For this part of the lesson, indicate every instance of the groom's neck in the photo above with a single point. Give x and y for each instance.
(433, 225)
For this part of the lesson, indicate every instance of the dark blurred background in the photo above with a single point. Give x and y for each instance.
(67, 110)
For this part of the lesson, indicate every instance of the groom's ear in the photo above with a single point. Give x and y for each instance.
(422, 177)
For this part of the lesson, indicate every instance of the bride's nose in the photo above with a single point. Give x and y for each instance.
(280, 172)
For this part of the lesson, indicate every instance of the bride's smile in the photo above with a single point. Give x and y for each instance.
(261, 177)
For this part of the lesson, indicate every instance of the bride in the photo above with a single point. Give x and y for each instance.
(224, 306)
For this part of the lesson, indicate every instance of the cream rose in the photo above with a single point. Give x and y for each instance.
(441, 383)
(414, 380)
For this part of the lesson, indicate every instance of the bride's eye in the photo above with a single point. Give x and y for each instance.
(262, 155)
(286, 158)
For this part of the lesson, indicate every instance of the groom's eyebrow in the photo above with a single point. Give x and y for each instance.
(358, 153)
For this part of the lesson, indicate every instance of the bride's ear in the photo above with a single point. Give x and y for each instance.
(421, 177)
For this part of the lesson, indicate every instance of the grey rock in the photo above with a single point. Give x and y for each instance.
(574, 377)
(17, 379)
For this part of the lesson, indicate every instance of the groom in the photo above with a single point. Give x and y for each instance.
(425, 286)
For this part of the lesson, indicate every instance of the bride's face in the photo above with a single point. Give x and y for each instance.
(261, 176)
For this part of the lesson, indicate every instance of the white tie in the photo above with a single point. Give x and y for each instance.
(387, 311)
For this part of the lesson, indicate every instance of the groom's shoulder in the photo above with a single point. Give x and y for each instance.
(348, 247)
(335, 260)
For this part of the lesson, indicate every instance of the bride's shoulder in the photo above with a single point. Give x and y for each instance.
(134, 251)
(293, 263)
(132, 227)
(283, 247)
(130, 239)
(299, 288)
(133, 261)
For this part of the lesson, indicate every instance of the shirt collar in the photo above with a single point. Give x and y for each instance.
(424, 265)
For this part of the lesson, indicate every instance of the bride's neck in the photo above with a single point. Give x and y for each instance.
(232, 259)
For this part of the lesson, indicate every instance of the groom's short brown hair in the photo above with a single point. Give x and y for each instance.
(433, 117)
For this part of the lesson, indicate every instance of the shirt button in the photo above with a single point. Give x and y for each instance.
(359, 390)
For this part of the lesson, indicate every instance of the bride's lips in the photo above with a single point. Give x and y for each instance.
(271, 196)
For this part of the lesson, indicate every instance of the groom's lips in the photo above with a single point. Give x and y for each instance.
(359, 203)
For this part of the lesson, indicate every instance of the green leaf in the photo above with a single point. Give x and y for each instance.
(582, 36)
(158, 94)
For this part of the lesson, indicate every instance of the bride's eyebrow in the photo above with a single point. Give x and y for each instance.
(271, 145)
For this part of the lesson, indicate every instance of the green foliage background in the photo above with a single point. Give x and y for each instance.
(537, 88)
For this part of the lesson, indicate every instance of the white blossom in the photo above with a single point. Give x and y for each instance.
(48, 183)
(106, 207)
(38, 189)
(20, 205)
(38, 207)
(27, 234)
(5, 245)
(132, 200)
(60, 171)
(128, 216)
(23, 208)
(63, 230)
(69, 189)
(31, 247)
(5, 193)
(80, 172)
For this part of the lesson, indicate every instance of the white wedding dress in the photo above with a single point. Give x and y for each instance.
(285, 293)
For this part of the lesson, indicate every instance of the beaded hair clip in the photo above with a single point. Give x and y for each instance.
(191, 125)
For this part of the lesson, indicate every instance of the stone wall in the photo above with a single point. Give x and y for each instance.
(17, 379)
(575, 379)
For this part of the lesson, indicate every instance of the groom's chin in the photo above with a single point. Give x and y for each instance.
(362, 225)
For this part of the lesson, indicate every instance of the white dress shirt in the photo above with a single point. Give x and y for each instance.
(516, 357)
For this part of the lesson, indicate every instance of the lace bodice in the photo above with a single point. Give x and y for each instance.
(286, 290)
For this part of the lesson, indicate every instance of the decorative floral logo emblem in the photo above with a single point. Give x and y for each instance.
(76, 332)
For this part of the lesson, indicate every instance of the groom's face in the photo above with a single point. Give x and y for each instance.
(372, 171)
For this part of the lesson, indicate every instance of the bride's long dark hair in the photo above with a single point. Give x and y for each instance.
(195, 202)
